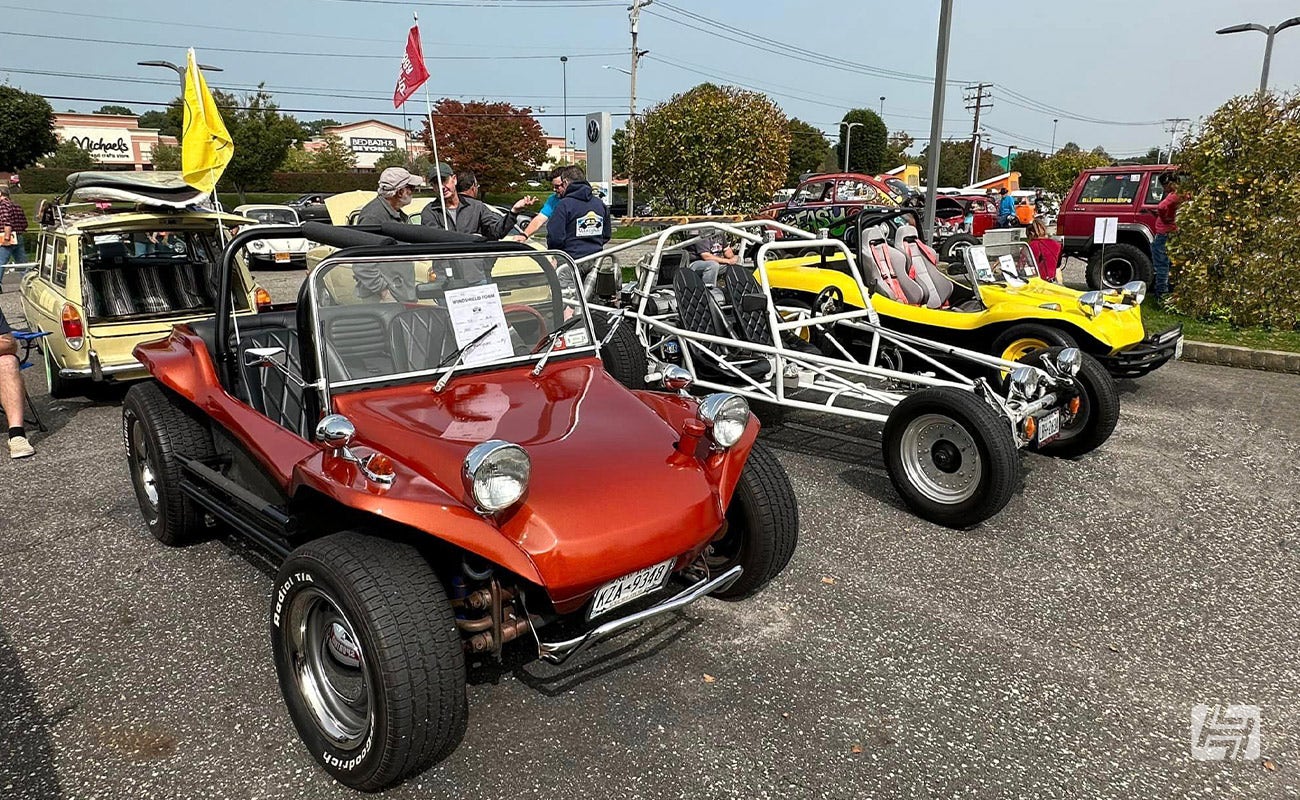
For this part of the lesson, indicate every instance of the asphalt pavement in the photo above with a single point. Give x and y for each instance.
(1057, 651)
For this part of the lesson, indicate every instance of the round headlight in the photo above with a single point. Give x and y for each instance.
(496, 474)
(1025, 379)
(257, 244)
(726, 416)
(1091, 303)
(1134, 292)
(1069, 361)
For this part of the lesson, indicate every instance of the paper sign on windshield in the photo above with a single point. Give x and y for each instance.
(1008, 266)
(473, 310)
(979, 257)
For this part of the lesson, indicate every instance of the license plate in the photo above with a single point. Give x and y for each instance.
(1178, 349)
(281, 258)
(1049, 427)
(629, 587)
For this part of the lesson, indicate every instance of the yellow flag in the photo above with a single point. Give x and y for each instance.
(206, 147)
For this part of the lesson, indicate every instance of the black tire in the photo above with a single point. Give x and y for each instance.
(1098, 412)
(762, 526)
(957, 242)
(623, 355)
(156, 427)
(59, 387)
(960, 424)
(349, 595)
(1124, 263)
(1038, 336)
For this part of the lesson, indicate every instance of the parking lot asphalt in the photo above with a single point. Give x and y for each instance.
(1056, 651)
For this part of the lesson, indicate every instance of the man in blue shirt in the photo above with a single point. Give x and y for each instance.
(1006, 209)
(580, 225)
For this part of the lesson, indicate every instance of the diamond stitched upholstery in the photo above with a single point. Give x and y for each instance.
(697, 312)
(266, 388)
(420, 338)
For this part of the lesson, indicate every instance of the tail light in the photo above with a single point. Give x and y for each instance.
(262, 298)
(74, 331)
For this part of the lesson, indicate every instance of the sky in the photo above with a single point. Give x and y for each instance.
(1111, 71)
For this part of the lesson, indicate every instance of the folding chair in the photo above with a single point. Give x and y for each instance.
(29, 340)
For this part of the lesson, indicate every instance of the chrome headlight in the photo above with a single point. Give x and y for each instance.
(1069, 361)
(1091, 303)
(257, 244)
(496, 474)
(1025, 381)
(726, 416)
(1134, 292)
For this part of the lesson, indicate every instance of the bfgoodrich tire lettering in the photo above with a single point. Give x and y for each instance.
(383, 652)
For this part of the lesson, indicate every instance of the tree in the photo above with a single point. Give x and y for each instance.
(166, 157)
(335, 156)
(110, 109)
(1029, 164)
(1236, 255)
(398, 157)
(68, 156)
(954, 163)
(26, 128)
(315, 128)
(1060, 169)
(262, 137)
(869, 142)
(167, 123)
(297, 160)
(498, 141)
(808, 149)
(896, 149)
(713, 147)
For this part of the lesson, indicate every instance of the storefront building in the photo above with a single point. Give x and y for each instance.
(114, 141)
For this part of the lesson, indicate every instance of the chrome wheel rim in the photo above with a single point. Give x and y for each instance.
(957, 249)
(940, 459)
(330, 669)
(145, 474)
(1117, 272)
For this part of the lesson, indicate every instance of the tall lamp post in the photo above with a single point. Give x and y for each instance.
(1270, 32)
(1053, 137)
(179, 70)
(848, 142)
(564, 67)
(882, 106)
(936, 116)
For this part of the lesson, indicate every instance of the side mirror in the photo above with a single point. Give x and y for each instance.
(264, 357)
(429, 291)
(335, 430)
(753, 302)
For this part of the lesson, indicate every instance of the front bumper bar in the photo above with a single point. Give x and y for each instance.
(104, 372)
(1145, 356)
(559, 652)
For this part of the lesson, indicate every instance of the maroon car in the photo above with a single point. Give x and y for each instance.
(1130, 194)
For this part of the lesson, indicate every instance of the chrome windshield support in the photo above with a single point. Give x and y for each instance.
(559, 652)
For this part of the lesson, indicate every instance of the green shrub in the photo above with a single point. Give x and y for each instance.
(1236, 256)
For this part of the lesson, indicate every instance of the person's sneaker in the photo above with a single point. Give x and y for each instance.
(19, 447)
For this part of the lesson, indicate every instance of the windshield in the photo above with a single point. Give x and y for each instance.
(273, 216)
(1009, 263)
(389, 318)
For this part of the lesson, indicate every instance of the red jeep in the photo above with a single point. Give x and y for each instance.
(1129, 193)
(429, 446)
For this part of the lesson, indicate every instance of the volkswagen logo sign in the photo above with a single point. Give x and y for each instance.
(593, 130)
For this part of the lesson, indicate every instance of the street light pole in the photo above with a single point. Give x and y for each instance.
(848, 142)
(1270, 32)
(1054, 137)
(882, 106)
(634, 23)
(936, 116)
(564, 66)
(179, 70)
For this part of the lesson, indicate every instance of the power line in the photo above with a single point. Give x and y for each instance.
(513, 4)
(109, 101)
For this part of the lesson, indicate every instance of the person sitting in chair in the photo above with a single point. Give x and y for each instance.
(709, 254)
(11, 392)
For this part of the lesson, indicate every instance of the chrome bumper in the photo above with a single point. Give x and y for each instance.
(559, 652)
(98, 372)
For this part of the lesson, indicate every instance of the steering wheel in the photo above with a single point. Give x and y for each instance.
(829, 301)
(532, 312)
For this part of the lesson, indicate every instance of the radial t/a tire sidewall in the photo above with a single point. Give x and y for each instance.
(354, 768)
(997, 450)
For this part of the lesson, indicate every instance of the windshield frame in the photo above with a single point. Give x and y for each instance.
(327, 386)
(973, 275)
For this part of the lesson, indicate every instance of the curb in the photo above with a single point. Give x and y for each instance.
(1227, 355)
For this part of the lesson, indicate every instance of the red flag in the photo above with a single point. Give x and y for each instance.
(413, 73)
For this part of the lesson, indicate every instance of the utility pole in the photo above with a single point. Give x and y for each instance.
(936, 116)
(1174, 123)
(978, 98)
(634, 22)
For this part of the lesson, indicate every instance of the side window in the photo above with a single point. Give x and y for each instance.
(47, 256)
(1111, 189)
(60, 251)
(1155, 192)
(812, 192)
(859, 192)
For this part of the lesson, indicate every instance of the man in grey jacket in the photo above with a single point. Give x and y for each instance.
(465, 214)
(394, 280)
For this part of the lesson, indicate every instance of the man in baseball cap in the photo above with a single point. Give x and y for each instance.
(395, 188)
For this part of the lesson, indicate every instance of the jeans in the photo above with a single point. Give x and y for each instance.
(14, 253)
(1160, 264)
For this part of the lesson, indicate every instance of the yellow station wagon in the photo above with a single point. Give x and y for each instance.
(121, 259)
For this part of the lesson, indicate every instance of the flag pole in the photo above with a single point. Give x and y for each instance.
(433, 136)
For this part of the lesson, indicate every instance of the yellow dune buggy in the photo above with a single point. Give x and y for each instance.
(993, 302)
